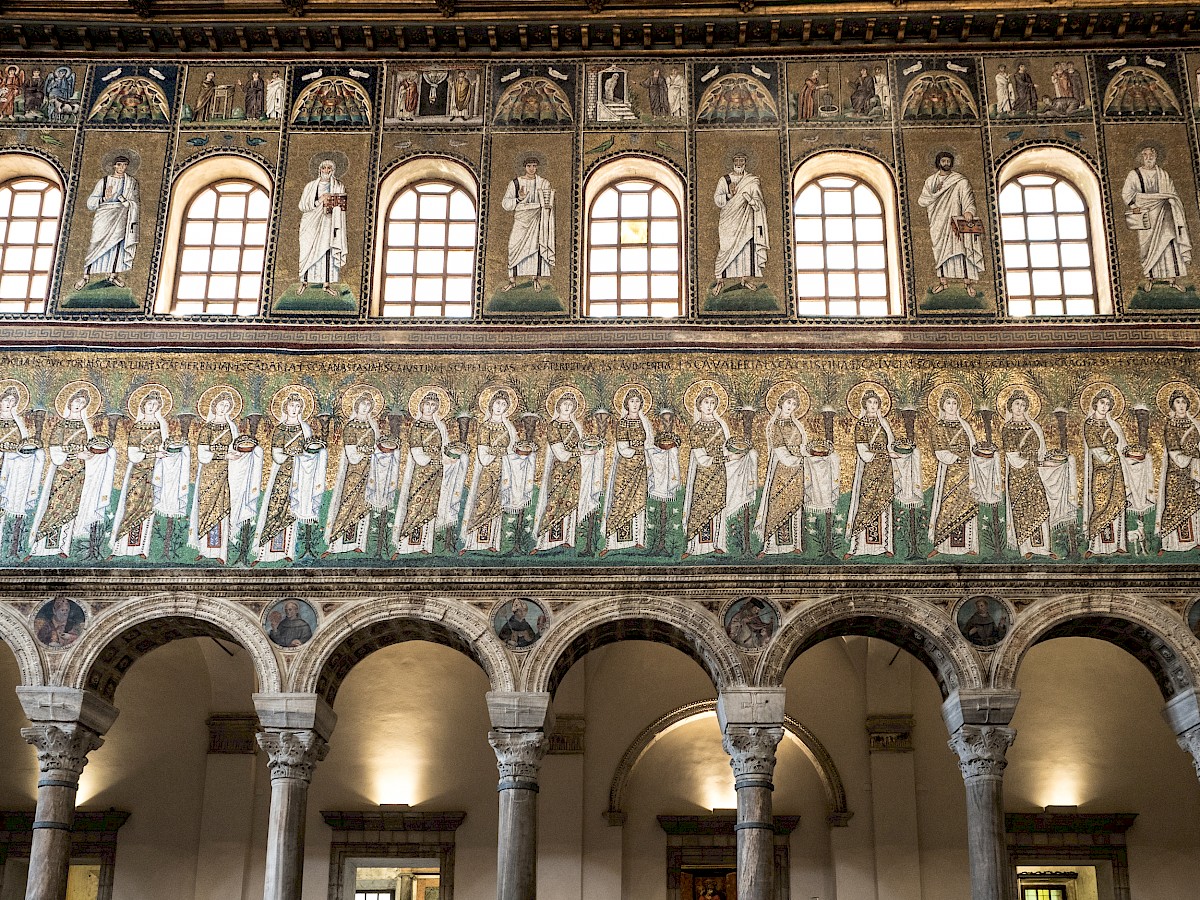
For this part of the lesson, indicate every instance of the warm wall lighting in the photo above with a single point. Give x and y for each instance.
(396, 788)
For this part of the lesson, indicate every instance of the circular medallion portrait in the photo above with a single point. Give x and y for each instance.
(1193, 618)
(751, 622)
(290, 622)
(983, 620)
(58, 623)
(520, 623)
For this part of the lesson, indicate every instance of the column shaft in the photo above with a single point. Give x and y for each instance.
(518, 757)
(292, 757)
(752, 756)
(981, 752)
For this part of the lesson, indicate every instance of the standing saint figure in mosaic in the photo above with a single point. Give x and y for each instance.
(115, 200)
(741, 228)
(644, 465)
(502, 480)
(780, 521)
(572, 474)
(530, 198)
(365, 484)
(21, 464)
(297, 480)
(1107, 478)
(968, 474)
(1026, 505)
(323, 229)
(869, 521)
(435, 470)
(79, 479)
(954, 226)
(228, 477)
(1154, 212)
(157, 473)
(1179, 479)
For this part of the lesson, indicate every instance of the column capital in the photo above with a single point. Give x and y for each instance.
(1190, 742)
(751, 750)
(521, 710)
(968, 707)
(518, 757)
(62, 747)
(295, 712)
(750, 706)
(61, 705)
(982, 749)
(292, 753)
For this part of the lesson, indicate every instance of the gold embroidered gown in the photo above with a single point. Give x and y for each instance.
(705, 510)
(1107, 495)
(349, 509)
(138, 492)
(1179, 495)
(1026, 506)
(954, 521)
(629, 486)
(212, 499)
(485, 515)
(424, 482)
(561, 482)
(781, 515)
(874, 489)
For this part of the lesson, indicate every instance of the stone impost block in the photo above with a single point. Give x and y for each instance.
(63, 705)
(750, 706)
(1182, 711)
(965, 707)
(521, 710)
(295, 712)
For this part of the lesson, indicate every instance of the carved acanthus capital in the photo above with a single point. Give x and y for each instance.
(982, 749)
(1190, 742)
(63, 747)
(292, 754)
(751, 750)
(518, 754)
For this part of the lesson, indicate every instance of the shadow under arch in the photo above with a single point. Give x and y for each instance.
(15, 633)
(1153, 635)
(914, 626)
(831, 780)
(123, 634)
(592, 625)
(358, 631)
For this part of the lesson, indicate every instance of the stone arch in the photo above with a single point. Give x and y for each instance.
(121, 635)
(14, 631)
(918, 627)
(1148, 631)
(588, 626)
(810, 745)
(359, 630)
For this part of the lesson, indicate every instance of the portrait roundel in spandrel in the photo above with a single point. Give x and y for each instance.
(983, 620)
(1193, 618)
(520, 623)
(290, 622)
(751, 622)
(59, 623)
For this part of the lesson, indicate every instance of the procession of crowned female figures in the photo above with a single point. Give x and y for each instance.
(681, 477)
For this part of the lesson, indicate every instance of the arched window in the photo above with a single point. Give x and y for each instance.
(31, 202)
(844, 217)
(427, 246)
(634, 261)
(1050, 235)
(216, 242)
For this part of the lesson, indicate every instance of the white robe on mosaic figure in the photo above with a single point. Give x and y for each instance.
(449, 508)
(1120, 534)
(114, 235)
(382, 477)
(304, 499)
(171, 480)
(20, 478)
(782, 459)
(93, 501)
(907, 490)
(947, 196)
(516, 490)
(531, 242)
(741, 484)
(985, 484)
(322, 232)
(1171, 541)
(591, 480)
(244, 474)
(1058, 481)
(274, 105)
(1164, 246)
(662, 484)
(741, 228)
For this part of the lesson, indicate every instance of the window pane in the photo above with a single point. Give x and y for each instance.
(635, 205)
(604, 259)
(204, 206)
(663, 204)
(461, 234)
(604, 233)
(663, 231)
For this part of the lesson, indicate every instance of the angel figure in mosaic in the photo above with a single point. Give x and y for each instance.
(869, 521)
(228, 476)
(296, 483)
(722, 471)
(157, 473)
(435, 470)
(644, 465)
(1026, 500)
(1107, 470)
(368, 471)
(968, 474)
(502, 479)
(780, 521)
(79, 479)
(21, 462)
(572, 474)
(1179, 480)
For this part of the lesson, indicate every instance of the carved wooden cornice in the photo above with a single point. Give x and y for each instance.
(573, 27)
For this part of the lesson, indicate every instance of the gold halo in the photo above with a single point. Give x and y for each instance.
(940, 391)
(557, 393)
(22, 393)
(623, 392)
(1088, 394)
(444, 402)
(694, 389)
(310, 401)
(486, 395)
(782, 387)
(204, 404)
(352, 393)
(855, 394)
(138, 395)
(1035, 402)
(64, 397)
(1162, 399)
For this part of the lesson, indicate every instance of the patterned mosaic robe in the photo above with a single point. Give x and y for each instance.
(349, 518)
(228, 483)
(704, 503)
(628, 485)
(76, 491)
(501, 482)
(1178, 491)
(20, 473)
(1026, 508)
(870, 517)
(431, 490)
(780, 520)
(294, 490)
(954, 519)
(1105, 491)
(135, 514)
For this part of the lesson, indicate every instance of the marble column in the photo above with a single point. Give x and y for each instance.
(294, 734)
(1182, 713)
(751, 722)
(520, 722)
(67, 725)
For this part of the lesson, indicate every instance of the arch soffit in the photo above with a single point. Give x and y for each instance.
(15, 633)
(633, 166)
(810, 745)
(1170, 640)
(943, 650)
(232, 618)
(470, 625)
(697, 629)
